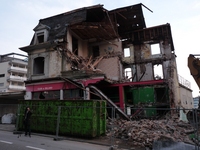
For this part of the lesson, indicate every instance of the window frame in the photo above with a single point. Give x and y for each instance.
(37, 63)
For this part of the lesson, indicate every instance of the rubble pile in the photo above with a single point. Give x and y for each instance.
(144, 132)
(79, 63)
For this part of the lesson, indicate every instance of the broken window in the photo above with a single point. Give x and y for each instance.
(95, 51)
(40, 37)
(38, 67)
(75, 45)
(128, 73)
(155, 49)
(158, 71)
(127, 52)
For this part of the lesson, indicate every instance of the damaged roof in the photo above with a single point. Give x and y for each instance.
(94, 22)
(128, 19)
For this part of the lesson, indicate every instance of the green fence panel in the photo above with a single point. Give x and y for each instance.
(77, 117)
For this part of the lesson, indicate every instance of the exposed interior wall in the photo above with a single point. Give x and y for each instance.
(111, 67)
(110, 47)
(144, 52)
(130, 56)
(165, 48)
(69, 41)
(144, 72)
(82, 48)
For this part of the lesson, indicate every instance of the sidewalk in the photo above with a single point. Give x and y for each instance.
(11, 128)
(7, 127)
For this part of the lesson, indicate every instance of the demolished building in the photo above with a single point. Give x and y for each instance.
(74, 54)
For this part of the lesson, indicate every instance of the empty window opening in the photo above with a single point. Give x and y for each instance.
(95, 51)
(127, 52)
(73, 94)
(158, 71)
(38, 67)
(75, 45)
(155, 49)
(128, 73)
(129, 98)
(161, 95)
(40, 37)
(2, 75)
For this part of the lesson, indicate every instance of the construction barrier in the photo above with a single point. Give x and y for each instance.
(84, 118)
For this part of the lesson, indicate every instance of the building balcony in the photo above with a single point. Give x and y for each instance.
(17, 87)
(184, 82)
(17, 78)
(17, 69)
(20, 62)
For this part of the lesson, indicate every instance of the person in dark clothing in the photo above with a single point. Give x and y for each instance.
(27, 121)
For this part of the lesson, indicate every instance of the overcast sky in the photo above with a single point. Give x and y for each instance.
(19, 17)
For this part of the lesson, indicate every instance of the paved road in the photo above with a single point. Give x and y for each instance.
(10, 141)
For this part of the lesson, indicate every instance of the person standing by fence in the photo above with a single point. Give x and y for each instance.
(27, 121)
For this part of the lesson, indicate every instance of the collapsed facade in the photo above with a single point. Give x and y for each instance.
(90, 52)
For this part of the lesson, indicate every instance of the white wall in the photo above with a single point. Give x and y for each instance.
(186, 98)
(4, 70)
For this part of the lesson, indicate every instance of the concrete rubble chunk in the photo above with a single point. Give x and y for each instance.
(146, 131)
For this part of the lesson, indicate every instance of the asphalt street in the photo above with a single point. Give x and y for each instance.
(10, 141)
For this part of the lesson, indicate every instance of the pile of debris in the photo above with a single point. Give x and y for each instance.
(144, 132)
(79, 63)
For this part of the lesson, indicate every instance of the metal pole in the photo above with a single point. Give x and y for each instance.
(61, 94)
(112, 128)
(58, 121)
(18, 115)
